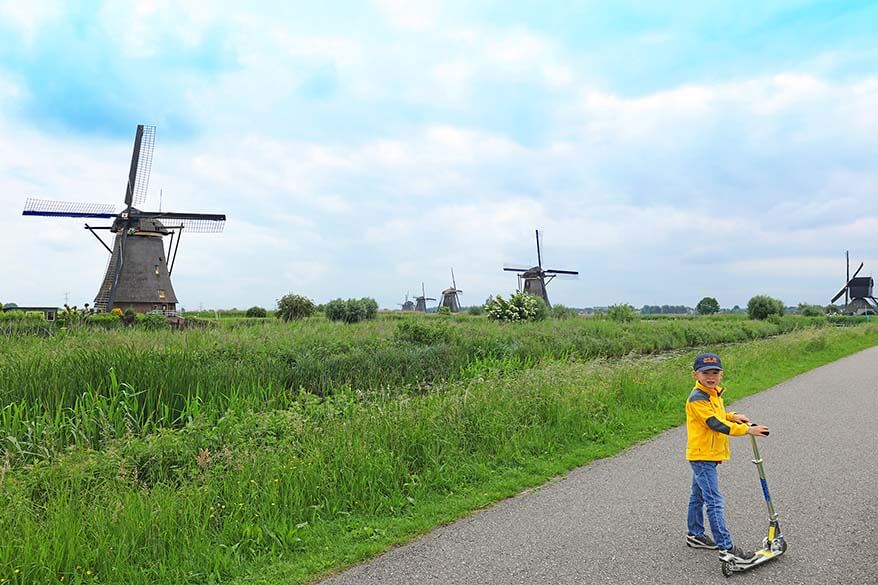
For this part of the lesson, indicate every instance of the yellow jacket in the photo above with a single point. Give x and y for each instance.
(708, 425)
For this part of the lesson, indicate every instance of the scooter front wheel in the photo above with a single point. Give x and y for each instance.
(727, 569)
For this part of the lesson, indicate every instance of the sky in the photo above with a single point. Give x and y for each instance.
(667, 150)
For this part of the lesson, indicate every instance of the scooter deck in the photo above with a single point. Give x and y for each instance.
(762, 556)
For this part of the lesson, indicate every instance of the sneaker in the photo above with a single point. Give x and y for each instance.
(703, 541)
(736, 554)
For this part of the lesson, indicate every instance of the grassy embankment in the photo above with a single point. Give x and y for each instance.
(282, 495)
(90, 386)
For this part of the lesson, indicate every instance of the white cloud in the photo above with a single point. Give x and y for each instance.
(410, 15)
(29, 17)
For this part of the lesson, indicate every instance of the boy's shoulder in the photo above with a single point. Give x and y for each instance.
(698, 394)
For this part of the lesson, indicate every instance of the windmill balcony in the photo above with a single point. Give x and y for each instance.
(168, 313)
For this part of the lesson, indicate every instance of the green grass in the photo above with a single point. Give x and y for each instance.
(282, 495)
(89, 386)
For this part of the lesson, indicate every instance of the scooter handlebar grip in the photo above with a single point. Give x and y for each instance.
(765, 434)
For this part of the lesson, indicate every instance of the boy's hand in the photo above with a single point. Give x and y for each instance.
(758, 430)
(741, 418)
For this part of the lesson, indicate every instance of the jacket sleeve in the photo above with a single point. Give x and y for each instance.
(737, 429)
(704, 413)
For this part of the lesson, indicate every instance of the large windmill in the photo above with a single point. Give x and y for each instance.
(534, 280)
(421, 301)
(449, 296)
(138, 275)
(858, 296)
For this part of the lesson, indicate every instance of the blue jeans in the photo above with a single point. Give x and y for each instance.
(705, 492)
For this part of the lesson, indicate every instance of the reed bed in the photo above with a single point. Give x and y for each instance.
(88, 386)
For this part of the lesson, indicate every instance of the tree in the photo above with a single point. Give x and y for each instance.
(351, 310)
(293, 307)
(807, 310)
(623, 313)
(371, 306)
(763, 306)
(256, 312)
(559, 311)
(707, 306)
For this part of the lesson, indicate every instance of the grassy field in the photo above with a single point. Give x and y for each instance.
(237, 474)
(89, 386)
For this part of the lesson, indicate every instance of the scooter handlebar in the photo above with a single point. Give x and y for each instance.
(765, 434)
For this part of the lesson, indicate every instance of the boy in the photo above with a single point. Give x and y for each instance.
(708, 427)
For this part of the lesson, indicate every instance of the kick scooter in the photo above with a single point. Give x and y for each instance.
(774, 544)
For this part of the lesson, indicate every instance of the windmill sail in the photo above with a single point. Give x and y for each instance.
(141, 165)
(46, 208)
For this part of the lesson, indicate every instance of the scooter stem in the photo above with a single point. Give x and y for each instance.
(758, 461)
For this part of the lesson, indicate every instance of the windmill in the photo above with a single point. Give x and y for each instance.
(407, 305)
(138, 274)
(534, 280)
(421, 301)
(858, 296)
(449, 296)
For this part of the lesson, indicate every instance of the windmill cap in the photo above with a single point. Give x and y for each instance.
(707, 361)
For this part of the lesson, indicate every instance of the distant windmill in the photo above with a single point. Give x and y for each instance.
(858, 296)
(407, 305)
(534, 280)
(138, 274)
(421, 301)
(449, 296)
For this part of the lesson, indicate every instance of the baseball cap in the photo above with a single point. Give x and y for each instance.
(707, 361)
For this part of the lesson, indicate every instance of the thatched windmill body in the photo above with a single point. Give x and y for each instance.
(533, 280)
(859, 298)
(138, 274)
(449, 296)
(407, 305)
(421, 301)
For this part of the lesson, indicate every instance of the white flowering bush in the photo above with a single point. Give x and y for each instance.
(520, 307)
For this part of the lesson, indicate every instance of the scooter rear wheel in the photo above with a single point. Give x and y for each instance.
(727, 569)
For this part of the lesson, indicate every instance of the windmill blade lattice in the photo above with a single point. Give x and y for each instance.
(201, 223)
(144, 165)
(46, 208)
(203, 226)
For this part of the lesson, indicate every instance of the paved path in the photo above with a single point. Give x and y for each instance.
(623, 520)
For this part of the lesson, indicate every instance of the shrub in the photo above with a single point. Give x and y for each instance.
(622, 313)
(762, 306)
(562, 312)
(810, 310)
(21, 316)
(293, 307)
(520, 307)
(128, 317)
(351, 310)
(475, 310)
(74, 317)
(106, 320)
(445, 311)
(707, 306)
(371, 306)
(256, 312)
(420, 333)
(151, 321)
